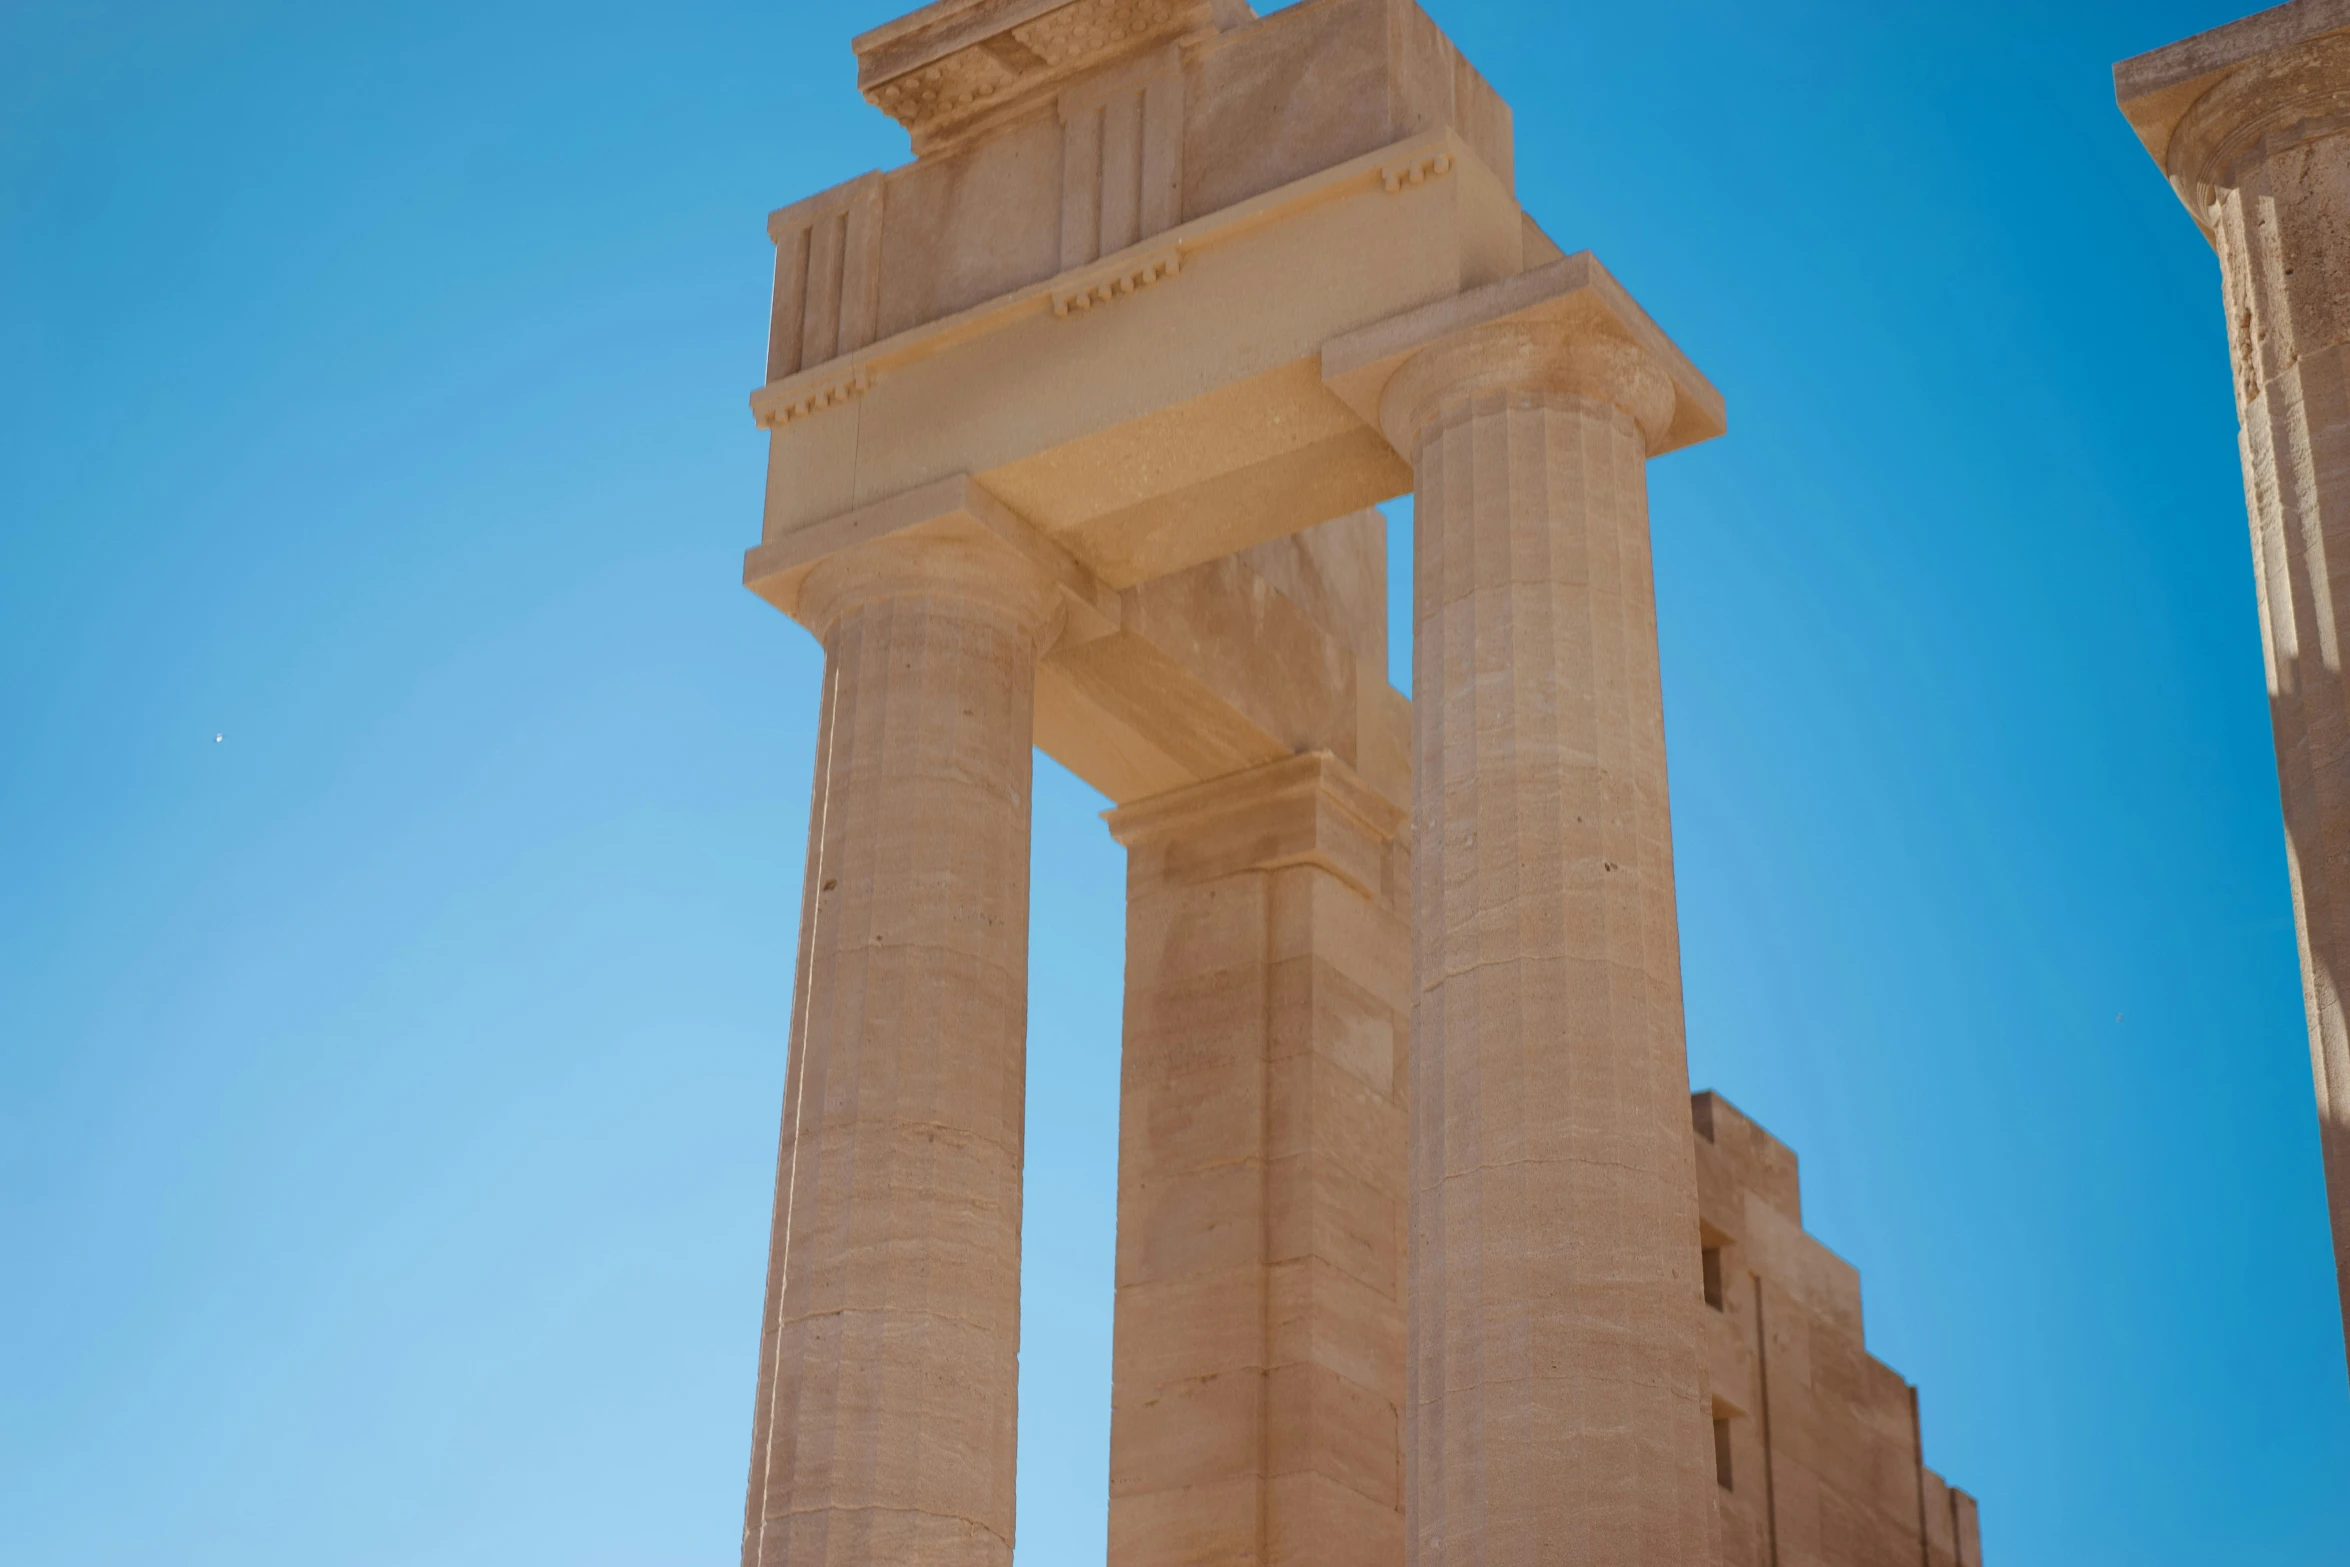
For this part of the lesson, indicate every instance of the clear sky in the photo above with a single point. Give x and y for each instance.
(401, 804)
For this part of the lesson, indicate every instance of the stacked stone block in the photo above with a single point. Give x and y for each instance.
(1818, 1454)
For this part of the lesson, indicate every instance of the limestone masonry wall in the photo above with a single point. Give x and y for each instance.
(1816, 1441)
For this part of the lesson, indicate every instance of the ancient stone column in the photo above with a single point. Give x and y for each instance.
(2252, 124)
(889, 1355)
(1262, 1157)
(1557, 1401)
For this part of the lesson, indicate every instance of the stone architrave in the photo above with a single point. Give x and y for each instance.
(2251, 123)
(1558, 1410)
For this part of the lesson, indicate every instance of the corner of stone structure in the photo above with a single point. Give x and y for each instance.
(1778, 1301)
(1701, 1112)
(1763, 1164)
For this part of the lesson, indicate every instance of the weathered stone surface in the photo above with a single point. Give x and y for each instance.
(1135, 374)
(889, 1353)
(1073, 422)
(1824, 1463)
(1257, 1397)
(2251, 123)
(1557, 1388)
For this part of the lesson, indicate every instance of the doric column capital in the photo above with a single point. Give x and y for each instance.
(2208, 104)
(1566, 328)
(1533, 358)
(932, 564)
(951, 539)
(2292, 96)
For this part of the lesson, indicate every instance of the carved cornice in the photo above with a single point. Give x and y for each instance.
(946, 70)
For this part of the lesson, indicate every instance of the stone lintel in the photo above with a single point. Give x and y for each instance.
(1575, 292)
(1310, 809)
(954, 508)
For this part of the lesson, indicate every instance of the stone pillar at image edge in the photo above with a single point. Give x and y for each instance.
(2252, 124)
(1262, 1156)
(1557, 1399)
(889, 1355)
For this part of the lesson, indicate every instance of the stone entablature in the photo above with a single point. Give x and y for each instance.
(1307, 201)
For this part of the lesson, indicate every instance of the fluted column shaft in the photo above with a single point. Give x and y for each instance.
(1556, 1404)
(889, 1355)
(2266, 156)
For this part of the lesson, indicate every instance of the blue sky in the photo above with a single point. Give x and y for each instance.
(388, 1087)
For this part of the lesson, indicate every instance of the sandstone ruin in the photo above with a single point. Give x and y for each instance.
(1075, 419)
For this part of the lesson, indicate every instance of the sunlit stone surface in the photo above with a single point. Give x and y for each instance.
(2251, 122)
(1425, 1254)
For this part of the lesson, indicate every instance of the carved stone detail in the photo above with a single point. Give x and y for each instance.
(827, 278)
(1089, 25)
(940, 98)
(855, 382)
(956, 82)
(1100, 286)
(1121, 158)
(1416, 171)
